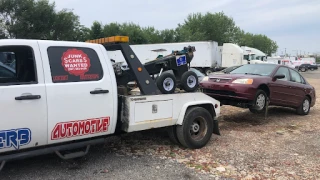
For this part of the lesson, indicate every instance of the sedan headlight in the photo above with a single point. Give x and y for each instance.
(243, 81)
(206, 78)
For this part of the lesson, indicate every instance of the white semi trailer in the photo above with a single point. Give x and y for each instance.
(208, 56)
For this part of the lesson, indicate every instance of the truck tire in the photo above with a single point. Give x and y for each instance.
(172, 133)
(189, 81)
(303, 69)
(167, 83)
(197, 128)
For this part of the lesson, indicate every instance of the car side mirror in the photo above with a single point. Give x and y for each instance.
(279, 76)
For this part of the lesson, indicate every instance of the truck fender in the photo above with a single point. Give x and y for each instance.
(194, 103)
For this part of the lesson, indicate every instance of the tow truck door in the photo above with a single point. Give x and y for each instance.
(23, 105)
(80, 91)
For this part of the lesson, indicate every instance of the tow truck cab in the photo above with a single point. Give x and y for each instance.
(64, 95)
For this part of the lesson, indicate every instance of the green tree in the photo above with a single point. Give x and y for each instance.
(217, 27)
(135, 33)
(66, 26)
(265, 44)
(152, 35)
(112, 29)
(37, 19)
(82, 33)
(168, 35)
(96, 30)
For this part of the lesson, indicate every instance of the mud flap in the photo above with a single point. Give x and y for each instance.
(267, 107)
(216, 127)
(2, 165)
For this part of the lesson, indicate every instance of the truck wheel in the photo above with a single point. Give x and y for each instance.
(189, 81)
(172, 133)
(197, 128)
(304, 108)
(166, 83)
(260, 102)
(303, 69)
(311, 69)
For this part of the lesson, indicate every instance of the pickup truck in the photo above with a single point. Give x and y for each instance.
(64, 96)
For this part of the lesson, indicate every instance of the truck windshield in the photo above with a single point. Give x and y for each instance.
(249, 57)
(255, 69)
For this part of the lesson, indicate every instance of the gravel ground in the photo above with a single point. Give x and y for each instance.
(283, 146)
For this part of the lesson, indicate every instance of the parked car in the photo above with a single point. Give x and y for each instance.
(251, 85)
(226, 70)
(199, 74)
(305, 67)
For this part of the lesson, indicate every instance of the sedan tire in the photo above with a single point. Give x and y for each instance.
(260, 102)
(304, 108)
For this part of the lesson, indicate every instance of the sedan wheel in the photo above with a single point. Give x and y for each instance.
(304, 107)
(261, 100)
(259, 105)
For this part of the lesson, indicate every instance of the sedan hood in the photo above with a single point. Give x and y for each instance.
(225, 78)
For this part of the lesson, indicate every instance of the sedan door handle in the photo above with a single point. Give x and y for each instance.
(99, 92)
(27, 97)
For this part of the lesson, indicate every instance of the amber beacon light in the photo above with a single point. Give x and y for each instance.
(112, 39)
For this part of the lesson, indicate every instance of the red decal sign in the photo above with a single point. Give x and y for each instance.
(76, 62)
(80, 128)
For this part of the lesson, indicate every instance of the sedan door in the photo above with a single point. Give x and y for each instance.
(297, 88)
(279, 94)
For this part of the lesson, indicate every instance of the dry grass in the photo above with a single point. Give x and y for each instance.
(285, 146)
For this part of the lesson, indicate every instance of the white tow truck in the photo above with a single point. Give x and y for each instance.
(65, 96)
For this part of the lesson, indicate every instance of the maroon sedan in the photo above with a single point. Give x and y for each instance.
(251, 85)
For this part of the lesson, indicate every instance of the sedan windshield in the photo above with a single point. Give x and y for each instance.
(199, 74)
(255, 69)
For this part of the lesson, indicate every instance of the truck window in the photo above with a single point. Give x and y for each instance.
(18, 65)
(74, 64)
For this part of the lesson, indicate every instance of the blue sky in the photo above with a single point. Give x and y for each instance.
(294, 24)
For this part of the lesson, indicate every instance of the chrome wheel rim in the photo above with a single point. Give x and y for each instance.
(305, 105)
(191, 81)
(168, 84)
(261, 100)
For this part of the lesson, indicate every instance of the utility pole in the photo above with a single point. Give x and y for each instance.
(285, 52)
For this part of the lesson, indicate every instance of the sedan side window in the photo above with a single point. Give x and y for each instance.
(284, 71)
(295, 76)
